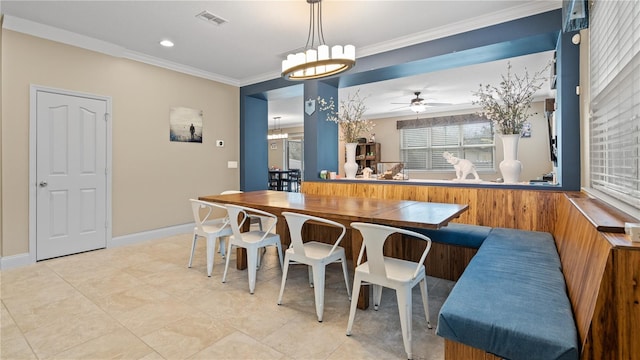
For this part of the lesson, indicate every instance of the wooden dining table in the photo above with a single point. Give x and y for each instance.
(345, 210)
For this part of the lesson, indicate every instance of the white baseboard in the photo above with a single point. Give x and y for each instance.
(14, 261)
(150, 235)
(19, 260)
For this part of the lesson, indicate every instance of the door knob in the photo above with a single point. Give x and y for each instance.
(43, 183)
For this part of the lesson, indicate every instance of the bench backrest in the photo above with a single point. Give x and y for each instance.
(599, 272)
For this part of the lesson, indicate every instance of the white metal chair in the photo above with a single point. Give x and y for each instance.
(252, 219)
(251, 240)
(315, 255)
(212, 229)
(381, 271)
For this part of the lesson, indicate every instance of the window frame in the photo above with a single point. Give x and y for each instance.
(600, 84)
(458, 150)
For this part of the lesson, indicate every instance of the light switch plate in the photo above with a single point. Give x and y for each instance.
(232, 164)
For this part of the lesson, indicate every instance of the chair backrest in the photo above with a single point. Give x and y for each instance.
(373, 238)
(235, 211)
(295, 221)
(197, 205)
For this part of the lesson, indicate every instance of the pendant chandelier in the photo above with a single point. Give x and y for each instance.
(280, 134)
(318, 62)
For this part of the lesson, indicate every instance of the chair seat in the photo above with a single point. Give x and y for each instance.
(398, 270)
(253, 237)
(215, 228)
(316, 251)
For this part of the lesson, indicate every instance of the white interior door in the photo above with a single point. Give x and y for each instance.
(71, 178)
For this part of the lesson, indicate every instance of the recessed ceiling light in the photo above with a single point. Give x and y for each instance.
(166, 43)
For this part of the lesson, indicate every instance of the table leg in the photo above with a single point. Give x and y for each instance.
(241, 258)
(356, 243)
(241, 253)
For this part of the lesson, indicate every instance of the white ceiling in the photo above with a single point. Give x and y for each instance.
(250, 46)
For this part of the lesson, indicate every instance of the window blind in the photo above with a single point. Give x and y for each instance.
(421, 148)
(614, 124)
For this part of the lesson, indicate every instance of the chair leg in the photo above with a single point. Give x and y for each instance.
(310, 273)
(252, 259)
(354, 302)
(226, 266)
(284, 278)
(377, 296)
(404, 308)
(210, 250)
(279, 246)
(318, 289)
(221, 245)
(425, 300)
(346, 276)
(193, 248)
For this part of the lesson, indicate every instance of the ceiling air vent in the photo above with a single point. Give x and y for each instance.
(211, 18)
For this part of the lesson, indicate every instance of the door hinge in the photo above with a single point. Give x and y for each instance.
(106, 116)
(106, 171)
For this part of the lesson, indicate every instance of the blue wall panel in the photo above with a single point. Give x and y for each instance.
(253, 144)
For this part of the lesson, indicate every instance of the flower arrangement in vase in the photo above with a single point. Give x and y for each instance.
(349, 118)
(507, 106)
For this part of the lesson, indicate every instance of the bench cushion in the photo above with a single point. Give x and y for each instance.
(511, 300)
(457, 234)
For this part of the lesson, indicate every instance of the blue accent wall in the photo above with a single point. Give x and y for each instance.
(320, 135)
(528, 35)
(253, 144)
(509, 39)
(568, 112)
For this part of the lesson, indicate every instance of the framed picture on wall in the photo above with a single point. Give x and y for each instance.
(185, 125)
(526, 130)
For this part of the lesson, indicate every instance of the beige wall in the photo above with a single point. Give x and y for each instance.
(1, 20)
(276, 156)
(533, 152)
(152, 177)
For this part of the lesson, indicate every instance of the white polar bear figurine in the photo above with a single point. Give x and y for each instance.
(463, 167)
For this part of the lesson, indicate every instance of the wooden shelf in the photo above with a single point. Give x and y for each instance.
(367, 155)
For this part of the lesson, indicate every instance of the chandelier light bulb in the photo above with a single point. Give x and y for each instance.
(318, 61)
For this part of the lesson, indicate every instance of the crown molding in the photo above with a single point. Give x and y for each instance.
(70, 38)
(85, 42)
(528, 8)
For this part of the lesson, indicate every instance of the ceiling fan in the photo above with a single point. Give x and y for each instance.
(418, 104)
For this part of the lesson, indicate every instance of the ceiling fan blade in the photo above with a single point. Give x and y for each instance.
(435, 104)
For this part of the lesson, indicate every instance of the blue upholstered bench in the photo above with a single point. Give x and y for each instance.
(466, 235)
(511, 300)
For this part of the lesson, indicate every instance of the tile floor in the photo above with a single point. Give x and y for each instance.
(142, 302)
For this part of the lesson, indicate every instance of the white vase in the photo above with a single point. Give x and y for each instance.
(510, 167)
(350, 166)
